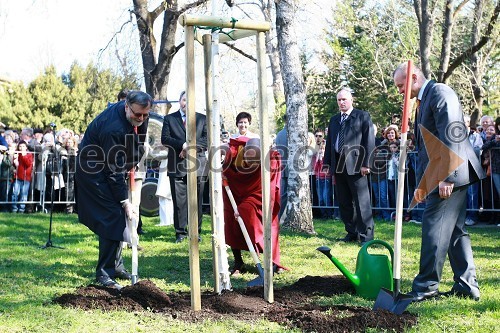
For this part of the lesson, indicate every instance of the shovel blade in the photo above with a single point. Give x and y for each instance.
(392, 302)
(134, 279)
(258, 281)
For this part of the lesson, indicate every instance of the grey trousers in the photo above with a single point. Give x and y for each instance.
(443, 233)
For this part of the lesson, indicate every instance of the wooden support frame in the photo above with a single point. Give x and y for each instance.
(258, 29)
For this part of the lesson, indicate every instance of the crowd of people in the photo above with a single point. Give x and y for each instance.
(37, 166)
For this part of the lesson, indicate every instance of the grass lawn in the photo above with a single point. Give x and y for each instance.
(30, 277)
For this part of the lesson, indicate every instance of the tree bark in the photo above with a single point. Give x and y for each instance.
(476, 65)
(298, 211)
(424, 11)
(273, 54)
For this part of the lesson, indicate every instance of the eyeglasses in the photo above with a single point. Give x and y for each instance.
(138, 114)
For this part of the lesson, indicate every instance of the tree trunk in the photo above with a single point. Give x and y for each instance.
(298, 211)
(424, 12)
(446, 42)
(157, 71)
(476, 65)
(274, 60)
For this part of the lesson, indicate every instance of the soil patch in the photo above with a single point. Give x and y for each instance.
(293, 305)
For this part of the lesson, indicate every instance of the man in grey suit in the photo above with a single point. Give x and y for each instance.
(348, 151)
(453, 166)
(173, 136)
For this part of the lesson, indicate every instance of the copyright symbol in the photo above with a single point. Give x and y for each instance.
(456, 132)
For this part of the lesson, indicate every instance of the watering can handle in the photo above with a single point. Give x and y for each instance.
(381, 242)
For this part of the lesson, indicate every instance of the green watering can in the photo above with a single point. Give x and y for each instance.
(373, 271)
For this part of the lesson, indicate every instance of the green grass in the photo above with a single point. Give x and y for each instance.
(30, 277)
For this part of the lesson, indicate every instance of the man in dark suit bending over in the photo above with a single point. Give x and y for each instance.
(173, 136)
(348, 151)
(453, 166)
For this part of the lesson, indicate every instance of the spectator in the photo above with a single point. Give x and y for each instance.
(68, 160)
(323, 184)
(473, 190)
(491, 152)
(23, 161)
(485, 122)
(392, 172)
(7, 170)
(378, 181)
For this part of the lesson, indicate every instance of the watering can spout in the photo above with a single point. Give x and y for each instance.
(354, 279)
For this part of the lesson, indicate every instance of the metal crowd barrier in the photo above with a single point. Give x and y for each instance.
(62, 180)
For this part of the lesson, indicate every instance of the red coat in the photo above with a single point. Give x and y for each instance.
(25, 168)
(246, 187)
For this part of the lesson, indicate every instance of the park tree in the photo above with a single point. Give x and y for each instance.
(157, 61)
(48, 92)
(470, 49)
(298, 211)
(16, 104)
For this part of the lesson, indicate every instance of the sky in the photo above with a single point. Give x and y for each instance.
(36, 33)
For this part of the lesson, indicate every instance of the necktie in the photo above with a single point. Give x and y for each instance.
(132, 171)
(184, 120)
(341, 133)
(415, 122)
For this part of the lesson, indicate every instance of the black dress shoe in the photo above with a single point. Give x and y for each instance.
(180, 238)
(348, 238)
(419, 296)
(460, 293)
(123, 275)
(108, 282)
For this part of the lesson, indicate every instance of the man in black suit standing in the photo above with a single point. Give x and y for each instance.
(446, 166)
(348, 152)
(173, 136)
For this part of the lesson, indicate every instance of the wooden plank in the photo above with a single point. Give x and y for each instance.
(192, 196)
(225, 37)
(223, 22)
(265, 169)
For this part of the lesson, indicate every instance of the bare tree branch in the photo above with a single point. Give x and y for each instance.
(232, 47)
(474, 48)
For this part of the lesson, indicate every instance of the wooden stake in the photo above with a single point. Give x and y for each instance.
(192, 196)
(265, 167)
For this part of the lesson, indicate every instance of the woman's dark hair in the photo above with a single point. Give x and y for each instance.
(243, 115)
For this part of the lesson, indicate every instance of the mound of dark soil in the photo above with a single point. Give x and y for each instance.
(293, 305)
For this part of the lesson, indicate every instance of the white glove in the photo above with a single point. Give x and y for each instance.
(130, 211)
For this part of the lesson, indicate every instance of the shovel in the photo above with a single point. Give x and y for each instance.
(132, 226)
(134, 242)
(394, 301)
(258, 281)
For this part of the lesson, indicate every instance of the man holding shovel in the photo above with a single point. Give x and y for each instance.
(447, 165)
(112, 145)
